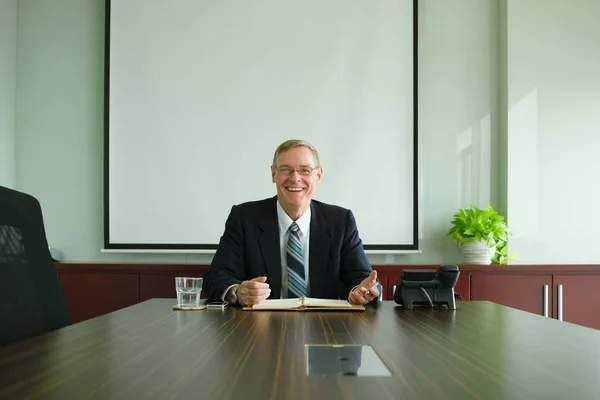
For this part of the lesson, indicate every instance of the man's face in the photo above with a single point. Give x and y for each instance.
(295, 185)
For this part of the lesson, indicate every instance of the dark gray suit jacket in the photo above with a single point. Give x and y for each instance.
(250, 248)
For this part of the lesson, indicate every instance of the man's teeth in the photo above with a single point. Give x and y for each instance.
(293, 189)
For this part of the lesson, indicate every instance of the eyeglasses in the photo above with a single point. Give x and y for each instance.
(287, 171)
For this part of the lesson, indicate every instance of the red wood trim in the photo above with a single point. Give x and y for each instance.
(63, 268)
(182, 268)
(548, 268)
(505, 269)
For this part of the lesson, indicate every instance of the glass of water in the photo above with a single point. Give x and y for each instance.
(188, 291)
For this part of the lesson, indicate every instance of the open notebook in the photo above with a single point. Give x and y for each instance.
(305, 304)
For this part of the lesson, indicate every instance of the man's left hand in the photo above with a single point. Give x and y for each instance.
(366, 291)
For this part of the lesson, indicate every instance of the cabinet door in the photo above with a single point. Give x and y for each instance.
(391, 285)
(524, 292)
(89, 295)
(383, 279)
(163, 285)
(580, 299)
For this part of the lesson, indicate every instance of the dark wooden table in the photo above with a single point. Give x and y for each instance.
(482, 350)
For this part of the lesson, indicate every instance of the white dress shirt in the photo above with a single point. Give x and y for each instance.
(303, 223)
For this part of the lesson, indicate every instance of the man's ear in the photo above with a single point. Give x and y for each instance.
(272, 174)
(319, 174)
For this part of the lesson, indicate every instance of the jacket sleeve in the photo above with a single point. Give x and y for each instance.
(354, 264)
(228, 265)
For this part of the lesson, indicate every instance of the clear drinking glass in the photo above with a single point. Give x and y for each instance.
(188, 291)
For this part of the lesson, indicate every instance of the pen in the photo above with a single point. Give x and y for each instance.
(369, 289)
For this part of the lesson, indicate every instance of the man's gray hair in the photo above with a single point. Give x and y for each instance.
(290, 144)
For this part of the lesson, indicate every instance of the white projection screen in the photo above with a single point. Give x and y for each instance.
(199, 93)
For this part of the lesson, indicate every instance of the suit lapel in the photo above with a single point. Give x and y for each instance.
(268, 240)
(320, 239)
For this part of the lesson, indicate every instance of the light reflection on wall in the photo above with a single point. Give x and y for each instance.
(473, 157)
(522, 178)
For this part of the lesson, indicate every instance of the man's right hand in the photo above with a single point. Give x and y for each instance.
(253, 291)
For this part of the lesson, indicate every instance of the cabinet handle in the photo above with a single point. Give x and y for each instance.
(559, 289)
(393, 290)
(546, 301)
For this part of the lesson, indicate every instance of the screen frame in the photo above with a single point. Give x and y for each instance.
(183, 247)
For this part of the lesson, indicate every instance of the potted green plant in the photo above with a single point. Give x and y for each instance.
(482, 235)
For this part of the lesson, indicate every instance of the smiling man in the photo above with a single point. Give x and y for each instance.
(291, 245)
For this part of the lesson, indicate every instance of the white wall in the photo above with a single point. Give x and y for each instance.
(60, 122)
(8, 84)
(542, 54)
(553, 64)
(458, 118)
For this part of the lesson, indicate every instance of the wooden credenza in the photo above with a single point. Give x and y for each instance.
(567, 291)
(96, 289)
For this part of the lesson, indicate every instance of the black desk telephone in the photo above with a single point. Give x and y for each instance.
(427, 287)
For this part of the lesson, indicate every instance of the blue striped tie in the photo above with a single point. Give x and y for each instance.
(295, 271)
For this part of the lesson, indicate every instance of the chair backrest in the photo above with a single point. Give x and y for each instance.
(31, 298)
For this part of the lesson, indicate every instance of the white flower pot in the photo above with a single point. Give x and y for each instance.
(476, 252)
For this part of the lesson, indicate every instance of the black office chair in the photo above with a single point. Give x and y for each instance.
(31, 298)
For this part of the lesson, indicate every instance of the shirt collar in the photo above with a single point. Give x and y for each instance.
(285, 221)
